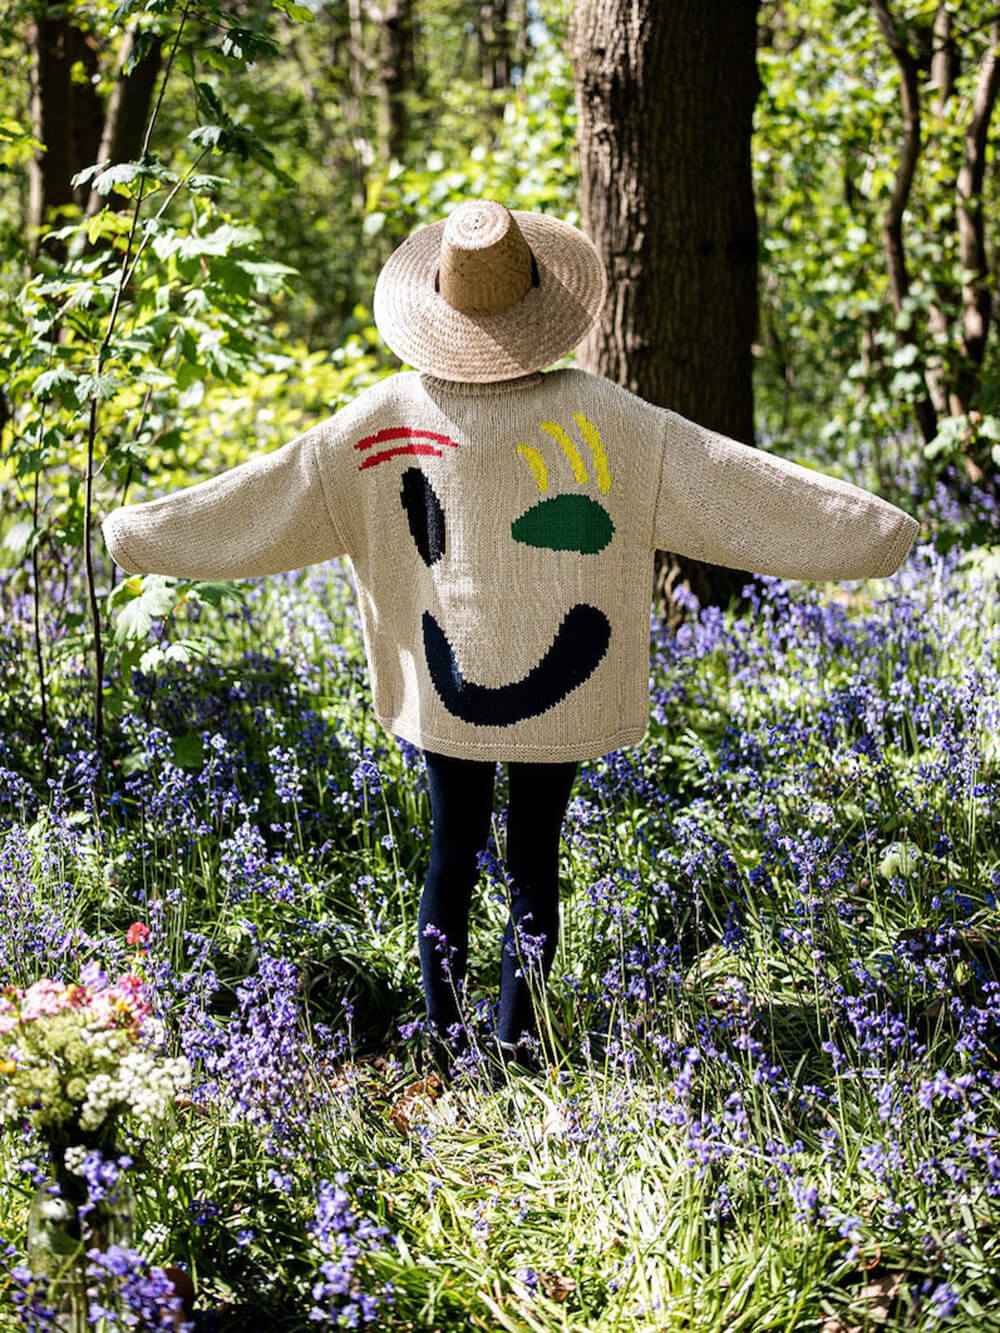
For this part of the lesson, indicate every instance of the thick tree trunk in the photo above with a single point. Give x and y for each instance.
(67, 114)
(395, 76)
(666, 95)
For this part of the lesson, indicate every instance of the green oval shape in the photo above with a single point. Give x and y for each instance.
(565, 523)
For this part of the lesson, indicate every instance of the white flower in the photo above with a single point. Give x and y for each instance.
(74, 1158)
(55, 1209)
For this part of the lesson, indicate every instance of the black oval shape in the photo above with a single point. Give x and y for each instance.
(424, 515)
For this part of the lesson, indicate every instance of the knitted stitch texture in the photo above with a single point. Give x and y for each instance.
(502, 538)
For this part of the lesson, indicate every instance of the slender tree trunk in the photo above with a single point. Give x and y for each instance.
(361, 65)
(494, 45)
(892, 222)
(521, 40)
(942, 57)
(977, 302)
(943, 83)
(666, 95)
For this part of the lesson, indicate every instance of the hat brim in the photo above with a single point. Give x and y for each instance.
(550, 320)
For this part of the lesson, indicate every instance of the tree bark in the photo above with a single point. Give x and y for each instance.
(943, 67)
(977, 302)
(395, 76)
(494, 46)
(892, 222)
(127, 113)
(942, 57)
(666, 95)
(67, 115)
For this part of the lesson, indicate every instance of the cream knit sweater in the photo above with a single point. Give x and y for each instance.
(502, 538)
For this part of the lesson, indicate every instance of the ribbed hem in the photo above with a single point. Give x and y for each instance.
(897, 551)
(498, 752)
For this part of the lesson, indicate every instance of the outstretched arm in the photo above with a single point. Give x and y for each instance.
(728, 504)
(263, 517)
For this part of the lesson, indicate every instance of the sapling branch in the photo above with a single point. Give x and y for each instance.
(36, 595)
(102, 353)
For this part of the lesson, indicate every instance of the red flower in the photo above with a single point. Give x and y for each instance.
(137, 934)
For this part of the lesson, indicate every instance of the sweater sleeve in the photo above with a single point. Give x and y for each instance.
(263, 517)
(729, 504)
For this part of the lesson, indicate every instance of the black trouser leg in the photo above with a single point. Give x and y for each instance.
(539, 795)
(461, 793)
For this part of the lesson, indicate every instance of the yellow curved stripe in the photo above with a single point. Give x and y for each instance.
(602, 472)
(568, 448)
(537, 464)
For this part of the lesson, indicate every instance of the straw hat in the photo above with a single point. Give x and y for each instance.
(489, 294)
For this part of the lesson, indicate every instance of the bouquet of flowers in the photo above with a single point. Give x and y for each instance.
(74, 1058)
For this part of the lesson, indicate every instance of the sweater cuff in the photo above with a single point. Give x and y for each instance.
(899, 546)
(113, 539)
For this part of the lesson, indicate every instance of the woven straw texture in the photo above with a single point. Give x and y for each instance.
(457, 298)
(502, 541)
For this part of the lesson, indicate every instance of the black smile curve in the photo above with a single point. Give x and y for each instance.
(580, 643)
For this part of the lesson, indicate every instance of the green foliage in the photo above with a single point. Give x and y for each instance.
(834, 355)
(159, 335)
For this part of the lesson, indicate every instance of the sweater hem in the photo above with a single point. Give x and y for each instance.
(516, 751)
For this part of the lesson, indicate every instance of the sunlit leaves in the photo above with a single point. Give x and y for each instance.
(829, 129)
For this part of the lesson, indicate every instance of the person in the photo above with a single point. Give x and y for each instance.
(502, 521)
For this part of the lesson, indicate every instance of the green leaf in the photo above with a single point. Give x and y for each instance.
(214, 592)
(88, 173)
(98, 386)
(119, 174)
(133, 622)
(300, 13)
(188, 750)
(21, 538)
(900, 858)
(136, 762)
(52, 381)
(142, 43)
(151, 598)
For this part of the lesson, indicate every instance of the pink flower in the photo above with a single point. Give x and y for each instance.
(137, 933)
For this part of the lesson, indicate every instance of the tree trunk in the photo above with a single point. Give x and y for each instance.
(977, 301)
(494, 46)
(127, 112)
(395, 76)
(67, 115)
(666, 95)
(892, 222)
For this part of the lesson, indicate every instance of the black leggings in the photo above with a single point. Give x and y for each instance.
(461, 792)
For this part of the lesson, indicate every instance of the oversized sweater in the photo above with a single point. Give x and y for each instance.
(502, 538)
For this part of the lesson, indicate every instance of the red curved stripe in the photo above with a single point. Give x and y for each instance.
(374, 459)
(403, 433)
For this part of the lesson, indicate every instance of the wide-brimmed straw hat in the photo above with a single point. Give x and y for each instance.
(489, 293)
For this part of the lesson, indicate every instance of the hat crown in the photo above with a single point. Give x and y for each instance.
(485, 261)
